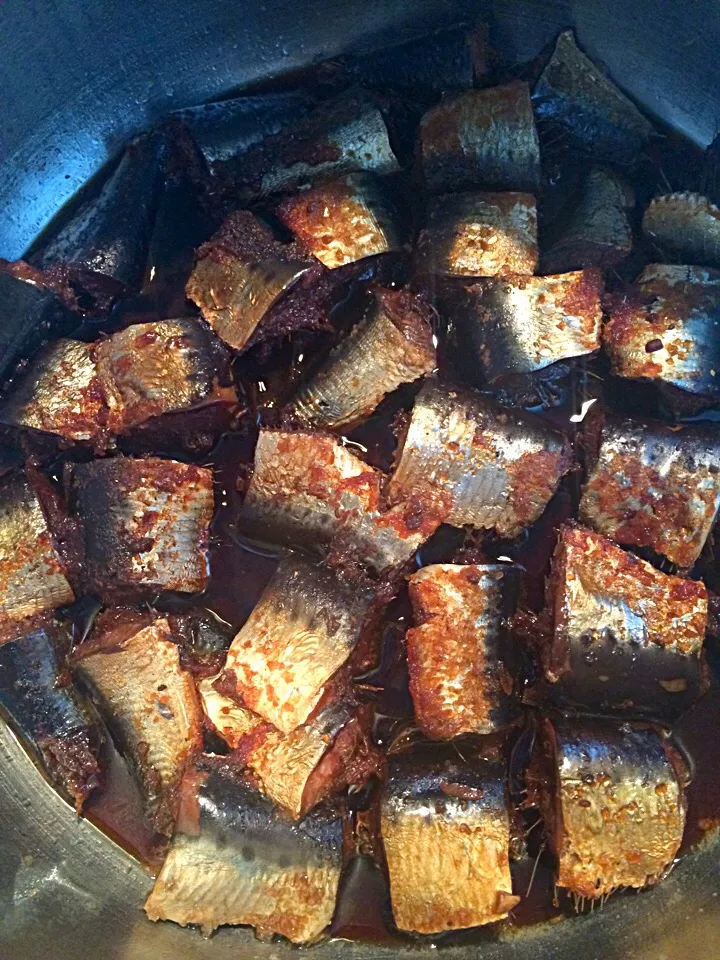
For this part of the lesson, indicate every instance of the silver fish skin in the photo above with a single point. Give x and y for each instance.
(685, 227)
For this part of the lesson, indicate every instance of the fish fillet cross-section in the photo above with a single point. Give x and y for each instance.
(685, 227)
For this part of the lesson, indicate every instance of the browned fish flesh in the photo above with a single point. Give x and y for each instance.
(466, 460)
(479, 235)
(666, 329)
(459, 656)
(391, 346)
(223, 715)
(685, 227)
(307, 489)
(344, 220)
(144, 523)
(152, 710)
(304, 628)
(627, 639)
(655, 486)
(237, 859)
(520, 325)
(481, 138)
(613, 803)
(32, 576)
(446, 833)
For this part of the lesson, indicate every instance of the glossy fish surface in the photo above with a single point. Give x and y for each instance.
(467, 460)
(457, 650)
(32, 577)
(481, 138)
(302, 631)
(144, 523)
(237, 859)
(391, 346)
(666, 329)
(613, 804)
(152, 709)
(479, 235)
(446, 833)
(48, 713)
(685, 227)
(628, 639)
(223, 715)
(342, 221)
(655, 486)
(519, 324)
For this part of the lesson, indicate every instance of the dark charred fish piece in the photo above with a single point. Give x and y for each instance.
(342, 136)
(685, 227)
(597, 231)
(151, 707)
(32, 578)
(627, 639)
(342, 221)
(467, 460)
(479, 235)
(519, 325)
(613, 803)
(446, 833)
(144, 523)
(236, 859)
(391, 346)
(48, 713)
(109, 236)
(302, 631)
(655, 486)
(597, 119)
(224, 716)
(303, 768)
(481, 138)
(666, 329)
(307, 489)
(461, 677)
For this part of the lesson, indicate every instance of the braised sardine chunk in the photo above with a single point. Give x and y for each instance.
(152, 709)
(302, 631)
(627, 638)
(467, 460)
(391, 346)
(32, 577)
(223, 715)
(479, 235)
(145, 523)
(459, 678)
(446, 832)
(655, 486)
(613, 804)
(685, 227)
(237, 859)
(481, 138)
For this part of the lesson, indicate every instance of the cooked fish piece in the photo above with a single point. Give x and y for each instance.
(203, 638)
(596, 117)
(686, 228)
(597, 231)
(613, 804)
(307, 489)
(655, 486)
(446, 832)
(151, 707)
(342, 221)
(303, 768)
(144, 523)
(32, 577)
(627, 639)
(666, 329)
(481, 138)
(521, 324)
(303, 629)
(391, 346)
(467, 460)
(479, 235)
(223, 715)
(459, 657)
(237, 859)
(47, 711)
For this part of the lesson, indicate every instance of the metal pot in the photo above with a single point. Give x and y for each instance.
(78, 79)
